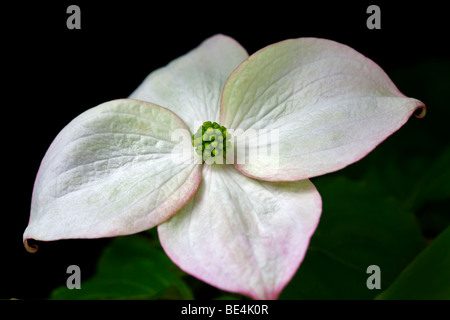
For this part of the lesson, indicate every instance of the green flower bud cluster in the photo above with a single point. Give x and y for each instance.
(211, 140)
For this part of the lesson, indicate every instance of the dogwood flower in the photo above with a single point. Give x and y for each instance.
(245, 226)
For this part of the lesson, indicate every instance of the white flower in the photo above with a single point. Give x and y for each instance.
(245, 227)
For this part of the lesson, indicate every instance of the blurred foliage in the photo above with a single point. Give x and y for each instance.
(359, 228)
(385, 210)
(131, 267)
(427, 277)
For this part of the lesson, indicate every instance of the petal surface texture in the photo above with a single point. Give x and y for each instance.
(191, 85)
(112, 171)
(243, 235)
(328, 105)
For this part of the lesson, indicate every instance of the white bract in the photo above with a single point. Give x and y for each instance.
(242, 227)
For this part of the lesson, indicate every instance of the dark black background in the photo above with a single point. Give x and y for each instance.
(52, 74)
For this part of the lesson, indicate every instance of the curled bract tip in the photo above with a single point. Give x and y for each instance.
(420, 112)
(30, 248)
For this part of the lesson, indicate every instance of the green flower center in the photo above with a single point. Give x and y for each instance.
(211, 141)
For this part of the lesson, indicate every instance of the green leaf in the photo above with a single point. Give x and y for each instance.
(415, 180)
(420, 182)
(131, 267)
(358, 228)
(434, 184)
(427, 277)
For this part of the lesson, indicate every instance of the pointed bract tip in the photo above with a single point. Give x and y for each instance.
(420, 112)
(30, 248)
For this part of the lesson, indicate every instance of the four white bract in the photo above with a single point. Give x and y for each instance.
(301, 108)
